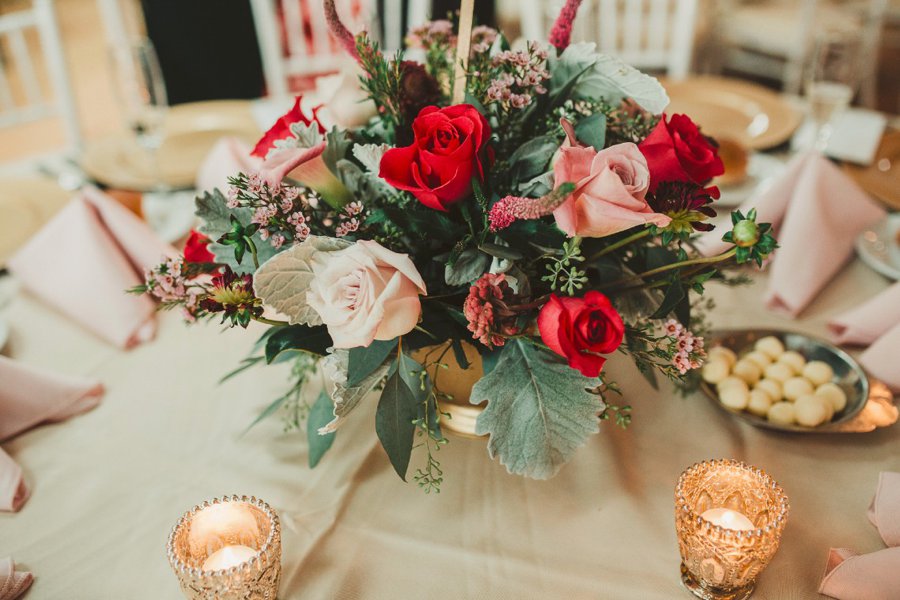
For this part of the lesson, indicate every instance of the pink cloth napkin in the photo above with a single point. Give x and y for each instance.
(85, 258)
(29, 397)
(873, 576)
(228, 157)
(881, 360)
(13, 582)
(817, 211)
(868, 321)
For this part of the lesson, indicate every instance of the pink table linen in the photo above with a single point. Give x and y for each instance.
(83, 261)
(868, 321)
(882, 359)
(228, 157)
(13, 582)
(873, 576)
(29, 397)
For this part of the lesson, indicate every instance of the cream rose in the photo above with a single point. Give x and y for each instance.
(365, 292)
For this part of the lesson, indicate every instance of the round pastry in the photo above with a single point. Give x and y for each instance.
(715, 371)
(782, 413)
(770, 345)
(759, 403)
(760, 359)
(794, 360)
(811, 410)
(732, 381)
(818, 372)
(834, 394)
(778, 371)
(747, 370)
(734, 398)
(797, 386)
(722, 353)
(772, 388)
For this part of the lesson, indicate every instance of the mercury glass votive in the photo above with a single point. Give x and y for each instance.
(227, 548)
(729, 517)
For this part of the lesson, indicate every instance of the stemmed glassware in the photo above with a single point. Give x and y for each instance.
(141, 91)
(832, 79)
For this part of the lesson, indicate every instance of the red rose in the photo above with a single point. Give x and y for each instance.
(195, 248)
(580, 329)
(281, 130)
(677, 151)
(449, 148)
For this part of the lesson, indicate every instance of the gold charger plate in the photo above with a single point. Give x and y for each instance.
(191, 131)
(752, 115)
(882, 178)
(26, 204)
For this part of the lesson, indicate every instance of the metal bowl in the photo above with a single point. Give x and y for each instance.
(847, 374)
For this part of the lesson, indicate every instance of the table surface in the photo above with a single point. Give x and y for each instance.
(108, 485)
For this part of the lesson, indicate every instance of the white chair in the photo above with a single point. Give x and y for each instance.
(18, 72)
(318, 53)
(773, 38)
(648, 34)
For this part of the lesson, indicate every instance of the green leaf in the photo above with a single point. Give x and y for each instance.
(532, 158)
(469, 266)
(504, 252)
(319, 416)
(592, 131)
(337, 144)
(395, 421)
(314, 340)
(460, 354)
(489, 358)
(674, 295)
(267, 412)
(365, 360)
(539, 410)
(215, 219)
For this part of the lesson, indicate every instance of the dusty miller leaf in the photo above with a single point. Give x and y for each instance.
(370, 156)
(215, 218)
(538, 410)
(344, 396)
(608, 78)
(282, 282)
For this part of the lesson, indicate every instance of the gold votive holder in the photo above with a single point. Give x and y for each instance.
(227, 548)
(728, 517)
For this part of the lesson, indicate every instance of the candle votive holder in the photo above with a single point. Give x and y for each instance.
(227, 548)
(722, 562)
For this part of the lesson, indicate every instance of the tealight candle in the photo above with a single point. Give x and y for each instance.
(729, 519)
(228, 557)
(227, 549)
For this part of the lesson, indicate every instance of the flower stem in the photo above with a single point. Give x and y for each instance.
(623, 242)
(676, 265)
(273, 322)
(252, 247)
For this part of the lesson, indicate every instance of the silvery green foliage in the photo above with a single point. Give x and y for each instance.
(604, 76)
(302, 136)
(539, 410)
(215, 222)
(370, 156)
(345, 397)
(283, 281)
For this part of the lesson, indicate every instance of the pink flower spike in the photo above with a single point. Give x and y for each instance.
(339, 30)
(561, 34)
(510, 209)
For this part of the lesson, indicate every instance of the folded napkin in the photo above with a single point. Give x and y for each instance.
(85, 258)
(227, 158)
(868, 321)
(817, 212)
(29, 397)
(873, 576)
(13, 583)
(880, 360)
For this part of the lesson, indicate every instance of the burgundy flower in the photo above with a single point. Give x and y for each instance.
(232, 295)
(685, 202)
(418, 89)
(487, 312)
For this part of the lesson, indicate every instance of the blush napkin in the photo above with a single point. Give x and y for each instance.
(873, 576)
(29, 397)
(817, 212)
(13, 582)
(83, 261)
(227, 158)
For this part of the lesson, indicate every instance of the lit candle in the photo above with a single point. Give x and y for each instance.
(729, 519)
(228, 557)
(227, 523)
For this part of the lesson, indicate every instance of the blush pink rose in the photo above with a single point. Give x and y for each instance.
(610, 186)
(365, 292)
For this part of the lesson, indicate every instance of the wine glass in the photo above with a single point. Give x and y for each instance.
(141, 91)
(833, 76)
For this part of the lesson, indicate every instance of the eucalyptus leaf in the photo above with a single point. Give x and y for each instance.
(319, 416)
(346, 397)
(532, 158)
(364, 360)
(395, 421)
(675, 293)
(539, 410)
(499, 251)
(592, 130)
(469, 266)
(304, 338)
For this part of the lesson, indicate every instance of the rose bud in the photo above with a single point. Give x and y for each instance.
(745, 233)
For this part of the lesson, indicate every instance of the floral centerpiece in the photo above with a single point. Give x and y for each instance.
(539, 208)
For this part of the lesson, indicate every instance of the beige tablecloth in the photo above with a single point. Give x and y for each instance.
(108, 486)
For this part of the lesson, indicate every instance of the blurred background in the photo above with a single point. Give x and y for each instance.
(116, 92)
